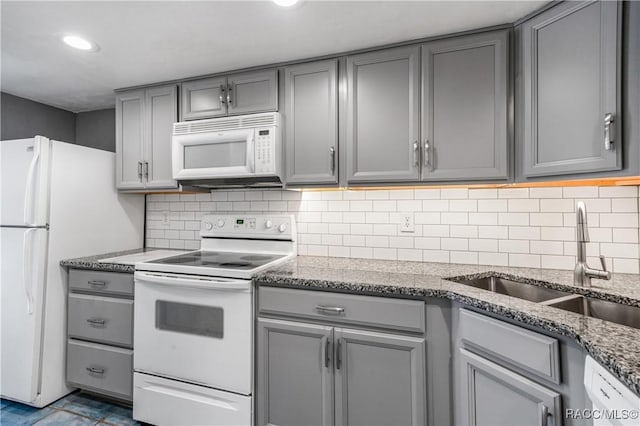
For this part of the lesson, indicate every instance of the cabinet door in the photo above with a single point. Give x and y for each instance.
(129, 139)
(253, 92)
(383, 116)
(204, 98)
(380, 379)
(491, 395)
(295, 374)
(161, 112)
(464, 108)
(571, 81)
(311, 112)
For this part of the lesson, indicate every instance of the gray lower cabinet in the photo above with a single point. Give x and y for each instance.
(100, 332)
(379, 379)
(383, 116)
(144, 120)
(245, 93)
(465, 83)
(569, 89)
(496, 396)
(311, 131)
(295, 374)
(327, 374)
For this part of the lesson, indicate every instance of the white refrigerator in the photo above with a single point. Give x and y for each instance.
(58, 201)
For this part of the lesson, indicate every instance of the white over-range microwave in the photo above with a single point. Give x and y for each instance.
(242, 150)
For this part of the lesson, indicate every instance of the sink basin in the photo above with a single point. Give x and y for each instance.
(598, 308)
(511, 288)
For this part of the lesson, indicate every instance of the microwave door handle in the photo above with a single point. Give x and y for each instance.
(251, 152)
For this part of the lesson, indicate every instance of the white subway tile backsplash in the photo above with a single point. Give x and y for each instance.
(530, 227)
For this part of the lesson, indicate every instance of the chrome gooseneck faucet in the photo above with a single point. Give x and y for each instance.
(582, 273)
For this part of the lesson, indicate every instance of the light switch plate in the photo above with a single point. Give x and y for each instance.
(165, 220)
(406, 222)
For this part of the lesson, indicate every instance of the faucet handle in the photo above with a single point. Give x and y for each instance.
(603, 262)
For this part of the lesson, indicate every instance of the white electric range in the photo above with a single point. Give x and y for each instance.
(193, 325)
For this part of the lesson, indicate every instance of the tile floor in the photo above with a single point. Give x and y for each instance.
(77, 409)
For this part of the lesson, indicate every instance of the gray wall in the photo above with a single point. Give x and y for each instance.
(22, 118)
(97, 129)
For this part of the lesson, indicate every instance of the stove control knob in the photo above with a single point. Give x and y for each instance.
(220, 223)
(268, 224)
(282, 227)
(208, 226)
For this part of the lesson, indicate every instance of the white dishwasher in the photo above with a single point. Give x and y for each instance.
(613, 402)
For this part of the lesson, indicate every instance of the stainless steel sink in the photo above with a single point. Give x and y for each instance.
(598, 308)
(518, 289)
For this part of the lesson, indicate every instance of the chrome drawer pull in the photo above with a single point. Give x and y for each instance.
(97, 283)
(96, 321)
(329, 310)
(93, 370)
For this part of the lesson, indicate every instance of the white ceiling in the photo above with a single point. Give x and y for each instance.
(146, 42)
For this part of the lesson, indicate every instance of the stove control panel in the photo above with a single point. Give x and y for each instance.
(258, 226)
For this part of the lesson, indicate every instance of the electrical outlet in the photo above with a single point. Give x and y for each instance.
(406, 222)
(165, 221)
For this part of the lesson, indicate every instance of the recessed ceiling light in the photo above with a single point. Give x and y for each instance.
(79, 43)
(285, 3)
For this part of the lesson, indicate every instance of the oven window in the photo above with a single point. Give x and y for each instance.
(190, 319)
(225, 154)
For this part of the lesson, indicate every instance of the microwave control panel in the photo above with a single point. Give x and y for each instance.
(265, 147)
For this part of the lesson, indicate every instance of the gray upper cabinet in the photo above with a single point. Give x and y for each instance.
(204, 98)
(383, 114)
(144, 120)
(569, 86)
(161, 112)
(252, 92)
(294, 374)
(311, 133)
(491, 395)
(465, 84)
(129, 139)
(230, 95)
(380, 379)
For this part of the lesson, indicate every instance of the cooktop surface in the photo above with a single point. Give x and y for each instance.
(220, 260)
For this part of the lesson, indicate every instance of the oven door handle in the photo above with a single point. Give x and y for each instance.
(201, 283)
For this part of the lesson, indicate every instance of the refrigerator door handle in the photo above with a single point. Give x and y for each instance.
(26, 269)
(28, 196)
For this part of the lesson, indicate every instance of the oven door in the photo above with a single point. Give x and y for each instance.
(211, 155)
(194, 329)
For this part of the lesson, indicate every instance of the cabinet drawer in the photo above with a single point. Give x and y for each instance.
(533, 352)
(100, 368)
(379, 312)
(102, 319)
(101, 282)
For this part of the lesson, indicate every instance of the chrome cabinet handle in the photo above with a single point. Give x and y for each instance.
(332, 160)
(544, 415)
(146, 170)
(94, 370)
(327, 353)
(608, 139)
(416, 146)
(329, 310)
(96, 283)
(96, 321)
(427, 155)
(339, 354)
(222, 98)
(229, 98)
(140, 171)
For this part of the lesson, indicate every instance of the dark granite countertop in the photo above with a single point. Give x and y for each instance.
(92, 262)
(615, 346)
